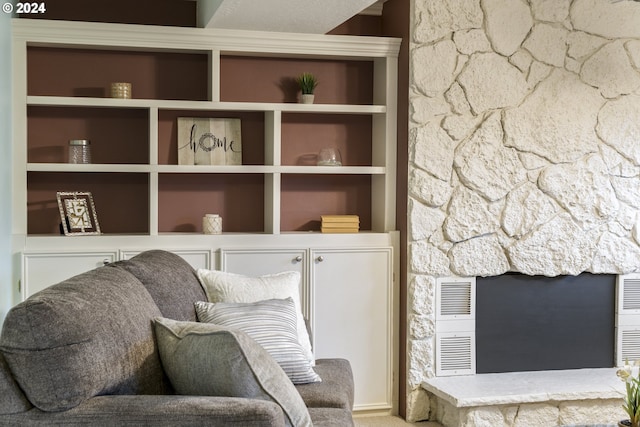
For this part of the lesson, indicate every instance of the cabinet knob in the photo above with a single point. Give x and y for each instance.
(298, 258)
(320, 258)
(106, 261)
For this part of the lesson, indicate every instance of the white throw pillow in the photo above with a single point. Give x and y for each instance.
(272, 323)
(229, 287)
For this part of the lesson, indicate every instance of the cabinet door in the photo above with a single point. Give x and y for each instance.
(258, 262)
(352, 317)
(43, 269)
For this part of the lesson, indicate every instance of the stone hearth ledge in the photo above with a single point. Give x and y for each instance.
(527, 387)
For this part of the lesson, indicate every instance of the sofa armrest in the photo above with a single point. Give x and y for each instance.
(13, 399)
(336, 389)
(161, 410)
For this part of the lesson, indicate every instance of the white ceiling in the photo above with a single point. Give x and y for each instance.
(299, 16)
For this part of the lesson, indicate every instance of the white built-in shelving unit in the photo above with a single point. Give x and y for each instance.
(381, 52)
(137, 181)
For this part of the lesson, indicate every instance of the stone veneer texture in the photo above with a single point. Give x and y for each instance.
(568, 413)
(524, 148)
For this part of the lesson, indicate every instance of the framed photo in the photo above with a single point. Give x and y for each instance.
(204, 141)
(78, 213)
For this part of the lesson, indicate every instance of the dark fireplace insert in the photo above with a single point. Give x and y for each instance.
(534, 323)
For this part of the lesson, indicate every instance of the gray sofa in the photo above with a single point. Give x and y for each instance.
(84, 352)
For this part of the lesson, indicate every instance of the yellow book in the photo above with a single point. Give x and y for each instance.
(340, 218)
(339, 230)
(341, 224)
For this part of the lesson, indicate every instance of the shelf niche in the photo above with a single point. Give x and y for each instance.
(118, 136)
(304, 198)
(252, 131)
(183, 199)
(304, 135)
(121, 200)
(55, 71)
(260, 79)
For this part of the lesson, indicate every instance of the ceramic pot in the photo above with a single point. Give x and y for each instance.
(212, 224)
(306, 98)
(624, 423)
(121, 90)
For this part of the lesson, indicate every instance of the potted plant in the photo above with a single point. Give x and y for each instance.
(629, 374)
(307, 83)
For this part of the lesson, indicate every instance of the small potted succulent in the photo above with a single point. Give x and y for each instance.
(307, 83)
(629, 374)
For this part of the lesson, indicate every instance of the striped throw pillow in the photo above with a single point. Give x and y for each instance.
(271, 323)
(221, 286)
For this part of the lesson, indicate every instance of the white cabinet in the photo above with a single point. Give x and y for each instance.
(251, 262)
(352, 317)
(43, 269)
(349, 298)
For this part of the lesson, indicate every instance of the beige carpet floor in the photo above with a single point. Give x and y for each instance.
(389, 421)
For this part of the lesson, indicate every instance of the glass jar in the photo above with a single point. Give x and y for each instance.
(79, 151)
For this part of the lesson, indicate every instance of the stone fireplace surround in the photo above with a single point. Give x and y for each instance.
(524, 155)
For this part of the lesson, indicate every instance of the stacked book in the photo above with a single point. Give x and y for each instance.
(340, 223)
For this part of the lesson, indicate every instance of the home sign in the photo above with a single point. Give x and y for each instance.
(206, 141)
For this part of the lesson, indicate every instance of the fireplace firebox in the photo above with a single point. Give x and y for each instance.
(534, 323)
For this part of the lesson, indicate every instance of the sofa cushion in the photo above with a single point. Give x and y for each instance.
(170, 280)
(156, 411)
(89, 335)
(209, 360)
(272, 323)
(229, 287)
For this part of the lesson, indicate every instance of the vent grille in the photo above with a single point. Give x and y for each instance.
(631, 294)
(455, 353)
(455, 299)
(628, 318)
(630, 345)
(455, 326)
